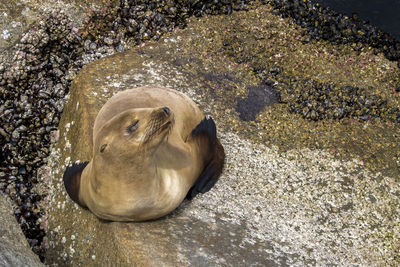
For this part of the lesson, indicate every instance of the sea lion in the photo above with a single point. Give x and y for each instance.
(152, 147)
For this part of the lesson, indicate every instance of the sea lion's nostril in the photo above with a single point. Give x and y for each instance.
(166, 110)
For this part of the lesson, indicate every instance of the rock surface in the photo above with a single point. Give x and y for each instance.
(14, 249)
(271, 207)
(17, 16)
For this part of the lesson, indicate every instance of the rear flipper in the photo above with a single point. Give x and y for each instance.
(213, 168)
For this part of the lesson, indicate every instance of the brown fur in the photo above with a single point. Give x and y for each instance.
(146, 156)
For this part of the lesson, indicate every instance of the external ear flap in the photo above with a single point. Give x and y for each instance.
(72, 181)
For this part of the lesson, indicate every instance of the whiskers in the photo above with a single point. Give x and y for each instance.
(170, 127)
(156, 124)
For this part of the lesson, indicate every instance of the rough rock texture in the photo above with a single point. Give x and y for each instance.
(271, 207)
(17, 16)
(14, 249)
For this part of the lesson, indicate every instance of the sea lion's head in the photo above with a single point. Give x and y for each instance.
(131, 133)
(131, 136)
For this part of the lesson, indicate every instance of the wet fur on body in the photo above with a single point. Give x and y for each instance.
(152, 147)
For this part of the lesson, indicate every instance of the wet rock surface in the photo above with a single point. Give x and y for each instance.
(14, 249)
(258, 98)
(280, 200)
(350, 94)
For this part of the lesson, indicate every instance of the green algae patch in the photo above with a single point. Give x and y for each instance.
(316, 108)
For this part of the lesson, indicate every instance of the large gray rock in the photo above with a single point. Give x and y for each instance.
(300, 206)
(14, 249)
(187, 237)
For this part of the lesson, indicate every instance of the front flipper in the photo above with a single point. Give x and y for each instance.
(72, 180)
(215, 160)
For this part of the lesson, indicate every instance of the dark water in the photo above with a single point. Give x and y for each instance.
(384, 14)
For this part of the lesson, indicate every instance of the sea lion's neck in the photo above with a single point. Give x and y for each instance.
(172, 154)
(104, 188)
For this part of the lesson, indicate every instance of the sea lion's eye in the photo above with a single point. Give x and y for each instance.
(131, 128)
(102, 148)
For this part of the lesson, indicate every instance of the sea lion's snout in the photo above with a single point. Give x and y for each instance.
(159, 124)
